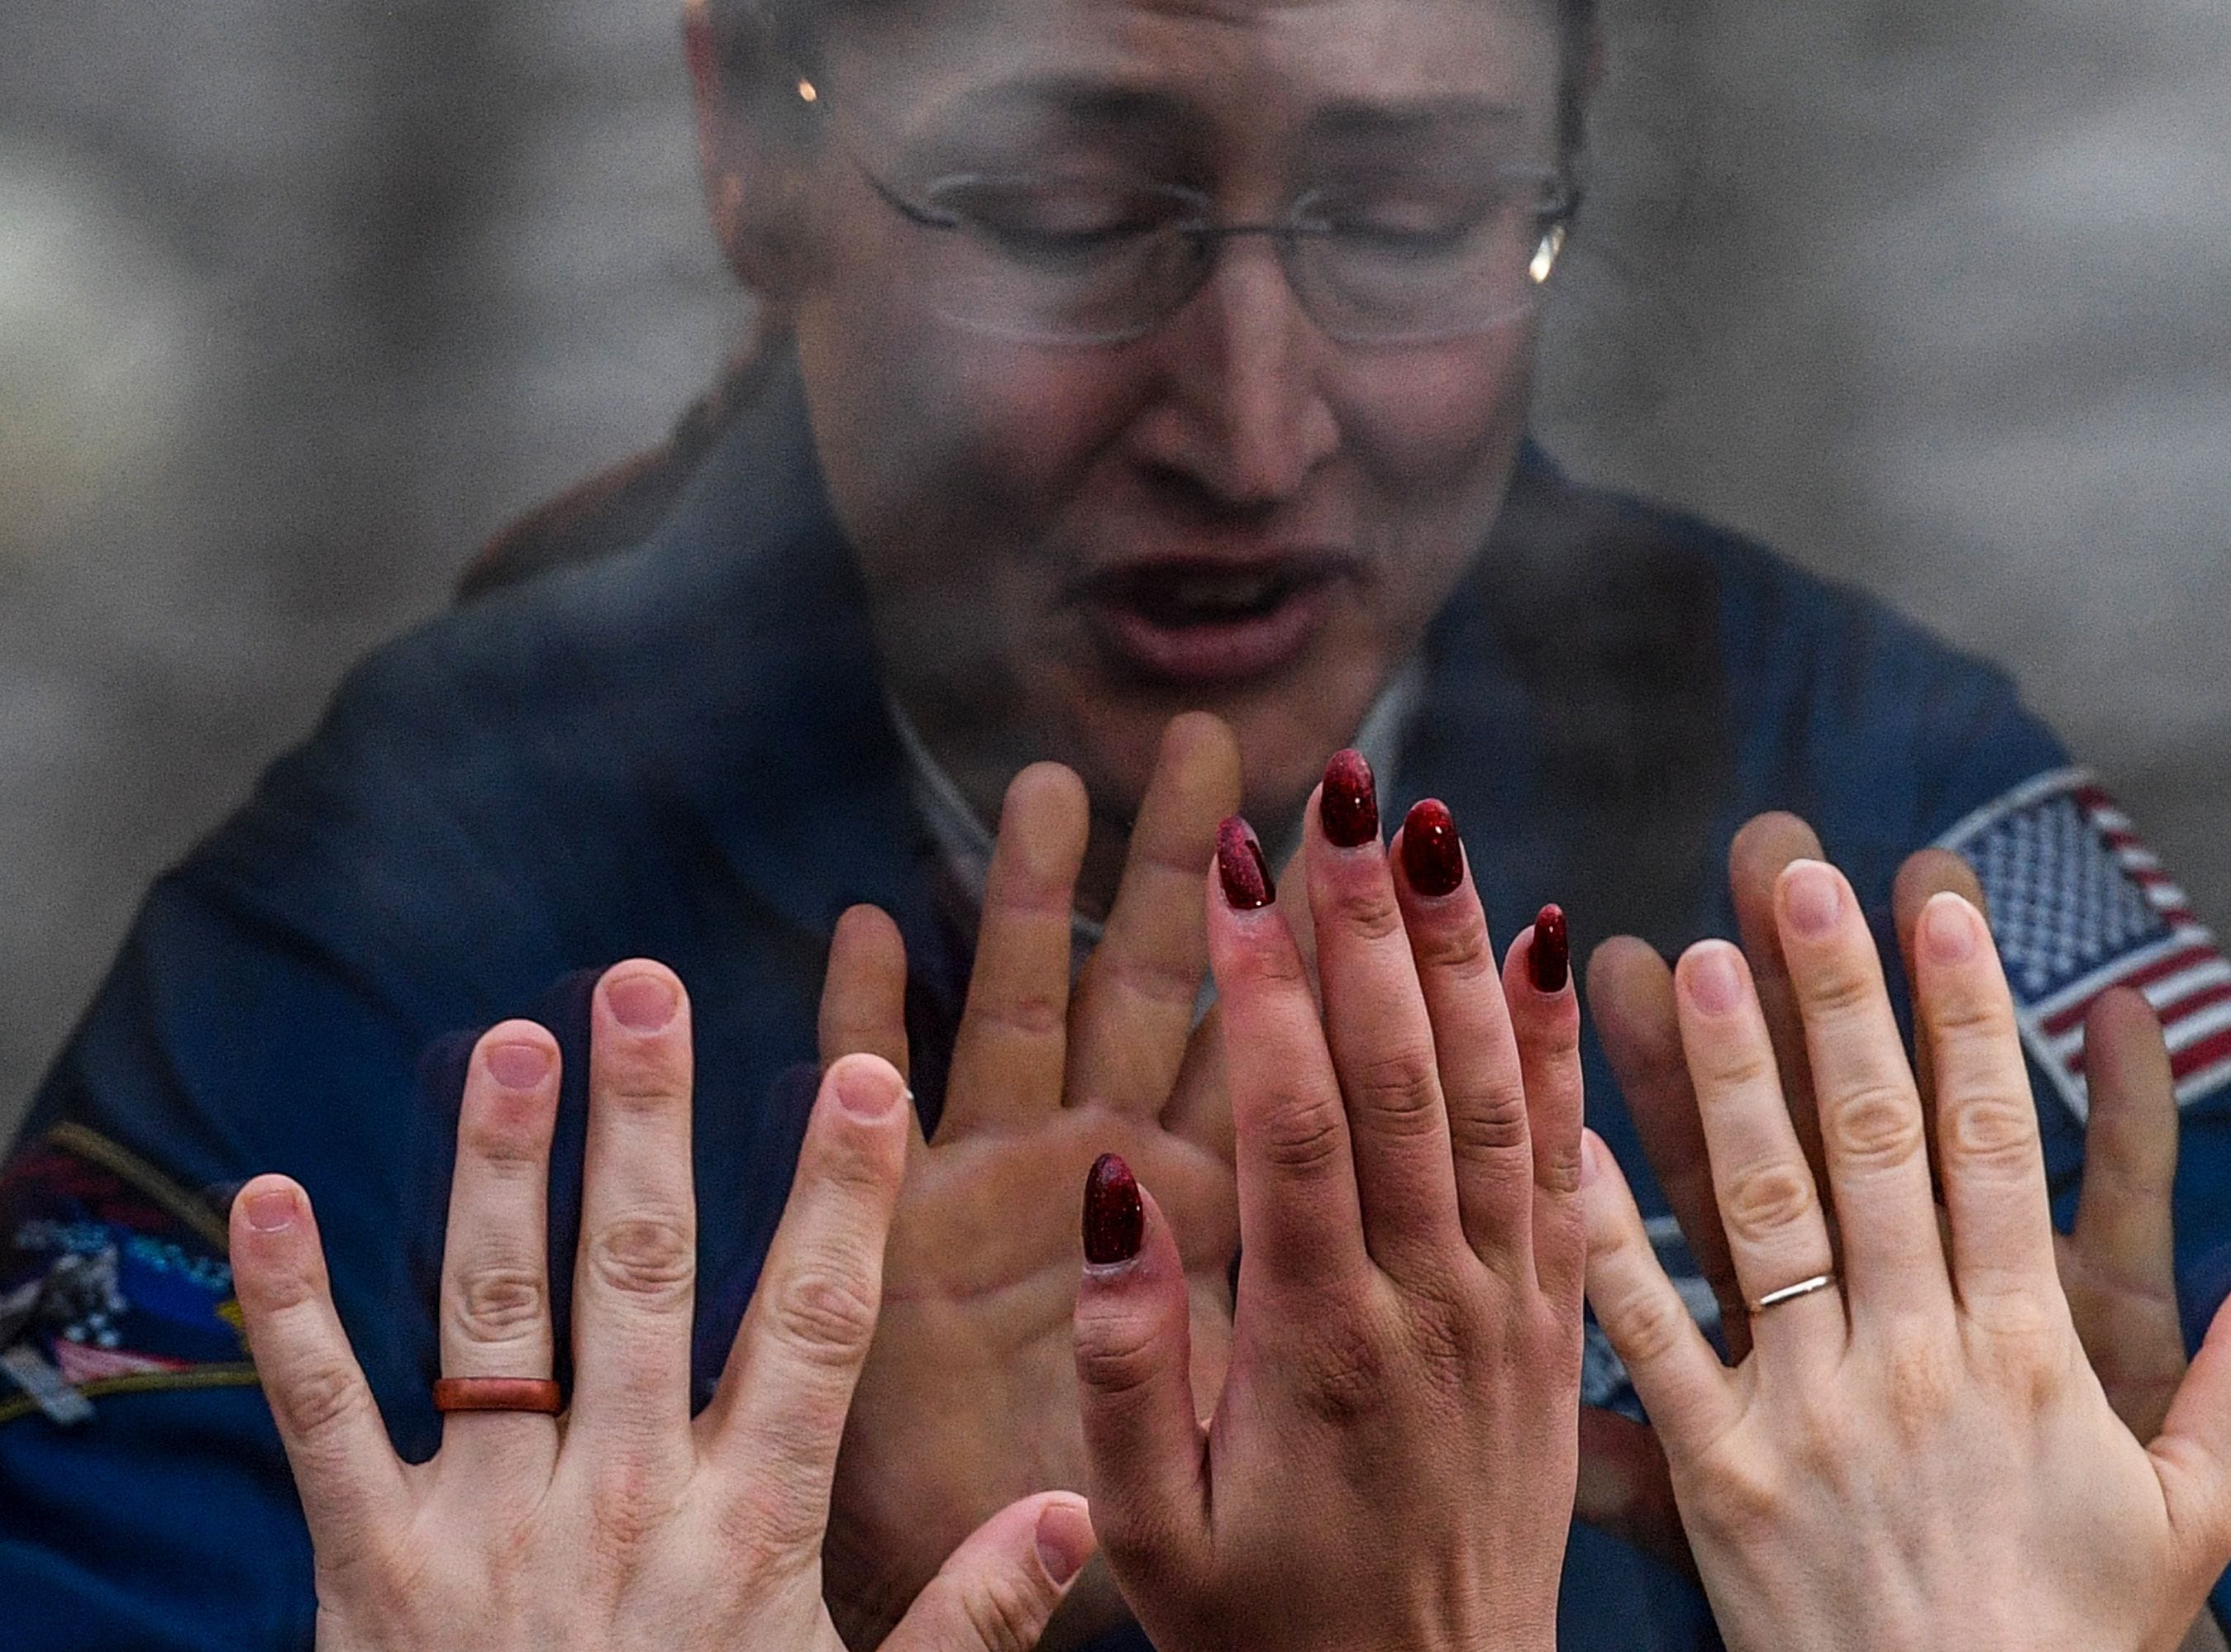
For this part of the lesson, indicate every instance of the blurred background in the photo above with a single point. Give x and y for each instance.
(299, 303)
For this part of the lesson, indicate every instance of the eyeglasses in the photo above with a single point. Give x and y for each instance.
(1076, 258)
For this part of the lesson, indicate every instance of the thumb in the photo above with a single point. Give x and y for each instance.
(1134, 1390)
(996, 1591)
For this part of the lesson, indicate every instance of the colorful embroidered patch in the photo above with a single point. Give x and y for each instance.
(2079, 905)
(111, 1280)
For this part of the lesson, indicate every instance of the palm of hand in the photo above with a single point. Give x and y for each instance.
(970, 1384)
(970, 1387)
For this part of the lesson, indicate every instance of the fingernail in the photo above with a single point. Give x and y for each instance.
(1239, 864)
(1591, 1156)
(519, 1067)
(1349, 807)
(1066, 1539)
(1949, 925)
(1814, 901)
(1550, 958)
(271, 1210)
(1713, 981)
(1115, 1219)
(643, 1002)
(1432, 853)
(867, 1091)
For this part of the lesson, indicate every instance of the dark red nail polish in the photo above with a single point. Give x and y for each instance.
(1115, 1220)
(1239, 862)
(1349, 806)
(1432, 853)
(1550, 958)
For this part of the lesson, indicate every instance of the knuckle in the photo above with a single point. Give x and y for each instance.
(630, 1505)
(1994, 1131)
(1459, 952)
(1368, 910)
(1024, 1015)
(1766, 1201)
(1344, 1375)
(826, 1314)
(1303, 1138)
(1491, 1124)
(1168, 982)
(1966, 1017)
(1919, 1384)
(1648, 1326)
(1401, 1088)
(500, 1302)
(654, 1257)
(1005, 1611)
(1838, 991)
(1878, 1124)
(321, 1400)
(1736, 1064)
(640, 1095)
(1118, 1353)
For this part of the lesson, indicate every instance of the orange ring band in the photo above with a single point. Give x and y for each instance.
(536, 1394)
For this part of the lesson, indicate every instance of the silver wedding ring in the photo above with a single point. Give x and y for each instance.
(1791, 1293)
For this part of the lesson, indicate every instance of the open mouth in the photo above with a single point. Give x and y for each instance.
(1198, 623)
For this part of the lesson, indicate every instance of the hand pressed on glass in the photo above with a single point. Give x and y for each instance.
(624, 1522)
(1390, 1462)
(2118, 1266)
(1923, 1456)
(969, 1398)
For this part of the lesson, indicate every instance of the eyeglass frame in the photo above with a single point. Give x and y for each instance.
(1553, 213)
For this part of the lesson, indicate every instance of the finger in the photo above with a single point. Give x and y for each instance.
(1678, 1379)
(634, 1277)
(1987, 1128)
(350, 1480)
(1133, 1005)
(1300, 1220)
(1382, 1044)
(1200, 1102)
(2124, 1227)
(997, 1589)
(1757, 858)
(2193, 1454)
(1927, 872)
(1631, 998)
(495, 1256)
(1484, 1085)
(1625, 1489)
(1545, 1014)
(863, 995)
(1149, 1479)
(1008, 1055)
(1769, 1202)
(779, 1414)
(1870, 1112)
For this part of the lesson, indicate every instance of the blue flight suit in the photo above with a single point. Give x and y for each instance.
(682, 750)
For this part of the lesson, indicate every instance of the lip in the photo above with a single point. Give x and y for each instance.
(1206, 652)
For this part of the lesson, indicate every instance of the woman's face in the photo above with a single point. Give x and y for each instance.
(1067, 543)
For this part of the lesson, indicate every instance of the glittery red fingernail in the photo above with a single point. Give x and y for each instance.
(1432, 853)
(1550, 958)
(1115, 1220)
(1349, 806)
(1239, 862)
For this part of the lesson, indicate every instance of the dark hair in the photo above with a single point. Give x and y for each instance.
(754, 33)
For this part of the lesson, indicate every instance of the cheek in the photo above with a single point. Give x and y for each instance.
(1439, 426)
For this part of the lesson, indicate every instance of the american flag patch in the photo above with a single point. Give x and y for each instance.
(2079, 905)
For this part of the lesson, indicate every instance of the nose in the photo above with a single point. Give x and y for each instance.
(1244, 419)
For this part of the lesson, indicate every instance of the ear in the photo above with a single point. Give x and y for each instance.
(748, 157)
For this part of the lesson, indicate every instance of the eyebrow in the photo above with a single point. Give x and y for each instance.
(1082, 104)
(1356, 120)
